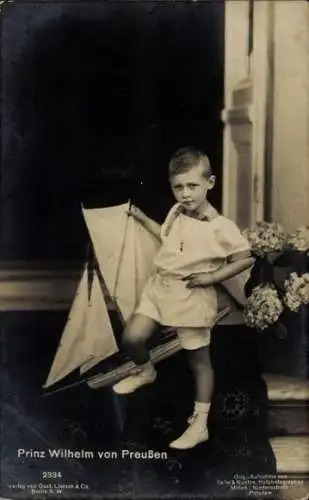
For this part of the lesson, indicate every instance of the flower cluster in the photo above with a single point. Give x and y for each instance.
(266, 237)
(263, 307)
(300, 239)
(296, 291)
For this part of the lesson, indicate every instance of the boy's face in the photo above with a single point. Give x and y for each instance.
(190, 188)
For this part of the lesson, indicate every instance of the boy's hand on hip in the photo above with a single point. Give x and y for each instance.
(198, 280)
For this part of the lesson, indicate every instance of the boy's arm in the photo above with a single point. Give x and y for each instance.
(225, 272)
(151, 225)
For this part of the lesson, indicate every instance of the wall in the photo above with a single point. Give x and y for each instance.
(290, 148)
(244, 116)
(236, 70)
(266, 113)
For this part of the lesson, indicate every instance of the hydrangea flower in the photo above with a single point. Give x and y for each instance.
(296, 291)
(300, 239)
(263, 307)
(266, 237)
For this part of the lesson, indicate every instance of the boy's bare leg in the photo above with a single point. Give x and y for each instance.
(200, 364)
(197, 432)
(138, 330)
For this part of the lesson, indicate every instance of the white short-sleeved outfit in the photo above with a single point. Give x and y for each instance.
(189, 246)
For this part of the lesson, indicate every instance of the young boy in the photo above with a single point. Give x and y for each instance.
(199, 249)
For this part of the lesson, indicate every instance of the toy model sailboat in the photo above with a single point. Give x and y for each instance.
(124, 251)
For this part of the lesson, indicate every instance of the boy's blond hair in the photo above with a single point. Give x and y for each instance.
(184, 159)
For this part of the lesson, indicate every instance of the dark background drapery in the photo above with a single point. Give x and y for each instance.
(96, 97)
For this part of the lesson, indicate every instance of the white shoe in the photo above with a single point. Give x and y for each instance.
(196, 433)
(140, 376)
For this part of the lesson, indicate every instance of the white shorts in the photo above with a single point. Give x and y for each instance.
(193, 338)
(192, 311)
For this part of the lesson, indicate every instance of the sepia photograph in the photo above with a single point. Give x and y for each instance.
(154, 249)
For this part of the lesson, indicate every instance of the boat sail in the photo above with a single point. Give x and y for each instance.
(124, 251)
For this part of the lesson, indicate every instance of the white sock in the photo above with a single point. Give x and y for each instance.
(200, 407)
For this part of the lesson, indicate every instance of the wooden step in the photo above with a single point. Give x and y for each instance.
(286, 389)
(288, 405)
(288, 420)
(292, 454)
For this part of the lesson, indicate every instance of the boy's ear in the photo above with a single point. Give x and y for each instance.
(211, 182)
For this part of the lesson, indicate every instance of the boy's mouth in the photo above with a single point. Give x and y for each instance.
(188, 205)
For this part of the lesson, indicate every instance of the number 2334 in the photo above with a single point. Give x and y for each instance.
(51, 475)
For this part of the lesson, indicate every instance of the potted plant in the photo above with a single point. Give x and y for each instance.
(279, 282)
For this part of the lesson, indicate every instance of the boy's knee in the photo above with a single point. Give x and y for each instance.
(131, 338)
(138, 330)
(199, 358)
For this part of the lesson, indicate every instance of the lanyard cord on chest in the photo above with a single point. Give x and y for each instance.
(179, 210)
